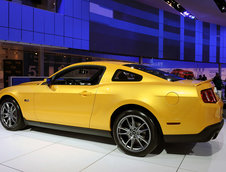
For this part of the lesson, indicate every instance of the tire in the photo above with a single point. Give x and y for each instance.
(135, 133)
(10, 115)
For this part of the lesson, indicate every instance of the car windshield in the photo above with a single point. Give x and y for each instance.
(156, 72)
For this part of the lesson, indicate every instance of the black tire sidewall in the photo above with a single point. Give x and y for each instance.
(154, 134)
(20, 121)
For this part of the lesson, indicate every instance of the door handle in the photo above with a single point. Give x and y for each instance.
(85, 93)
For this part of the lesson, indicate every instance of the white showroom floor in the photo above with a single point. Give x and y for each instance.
(43, 150)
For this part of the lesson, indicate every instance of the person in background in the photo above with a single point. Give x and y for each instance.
(200, 77)
(204, 78)
(218, 84)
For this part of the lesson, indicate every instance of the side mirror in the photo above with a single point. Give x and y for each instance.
(48, 81)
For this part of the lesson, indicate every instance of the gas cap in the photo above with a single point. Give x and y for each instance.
(172, 98)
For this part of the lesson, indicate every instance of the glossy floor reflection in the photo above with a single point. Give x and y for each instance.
(43, 150)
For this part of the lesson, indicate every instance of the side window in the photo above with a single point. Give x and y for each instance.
(83, 75)
(122, 75)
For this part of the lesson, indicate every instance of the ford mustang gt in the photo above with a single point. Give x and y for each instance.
(138, 105)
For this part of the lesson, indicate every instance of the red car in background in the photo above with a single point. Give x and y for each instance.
(183, 73)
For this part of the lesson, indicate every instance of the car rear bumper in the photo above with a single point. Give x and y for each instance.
(209, 133)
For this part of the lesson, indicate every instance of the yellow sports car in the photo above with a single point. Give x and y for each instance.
(137, 104)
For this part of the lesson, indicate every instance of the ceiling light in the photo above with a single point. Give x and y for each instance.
(179, 8)
(221, 4)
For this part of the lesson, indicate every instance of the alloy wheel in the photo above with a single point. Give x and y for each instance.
(134, 133)
(9, 114)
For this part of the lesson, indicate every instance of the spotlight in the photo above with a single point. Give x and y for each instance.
(221, 4)
(179, 8)
(186, 13)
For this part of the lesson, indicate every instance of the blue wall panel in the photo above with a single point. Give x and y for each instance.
(59, 24)
(49, 22)
(38, 38)
(14, 34)
(59, 41)
(68, 7)
(123, 25)
(61, 7)
(39, 20)
(198, 40)
(15, 15)
(49, 39)
(213, 43)
(4, 13)
(4, 33)
(68, 42)
(161, 33)
(85, 30)
(77, 29)
(68, 24)
(223, 44)
(27, 36)
(77, 43)
(181, 38)
(85, 10)
(32, 25)
(172, 36)
(78, 8)
(85, 45)
(27, 18)
(110, 4)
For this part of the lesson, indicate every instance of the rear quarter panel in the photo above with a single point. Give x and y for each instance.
(151, 96)
(169, 102)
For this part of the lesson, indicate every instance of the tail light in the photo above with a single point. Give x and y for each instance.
(208, 96)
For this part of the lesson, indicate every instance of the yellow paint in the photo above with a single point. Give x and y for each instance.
(92, 106)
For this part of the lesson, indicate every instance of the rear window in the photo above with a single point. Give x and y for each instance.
(156, 72)
(122, 75)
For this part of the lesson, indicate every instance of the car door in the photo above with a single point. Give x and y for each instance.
(70, 97)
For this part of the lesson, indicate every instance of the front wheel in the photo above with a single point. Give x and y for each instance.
(135, 133)
(10, 115)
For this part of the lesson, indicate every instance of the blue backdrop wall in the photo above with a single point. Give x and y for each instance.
(129, 27)
(123, 27)
(67, 28)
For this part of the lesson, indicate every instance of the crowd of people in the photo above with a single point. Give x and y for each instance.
(202, 77)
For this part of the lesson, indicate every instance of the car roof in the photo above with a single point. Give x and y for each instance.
(102, 62)
(105, 63)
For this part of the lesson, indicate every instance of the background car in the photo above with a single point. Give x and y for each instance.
(139, 105)
(186, 74)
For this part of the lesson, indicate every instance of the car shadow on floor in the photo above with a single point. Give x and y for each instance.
(198, 149)
(75, 135)
(175, 148)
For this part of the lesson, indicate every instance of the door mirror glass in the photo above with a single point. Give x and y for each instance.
(49, 81)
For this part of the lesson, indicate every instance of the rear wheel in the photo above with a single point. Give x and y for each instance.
(10, 115)
(135, 133)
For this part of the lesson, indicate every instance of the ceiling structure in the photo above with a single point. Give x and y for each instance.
(204, 10)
